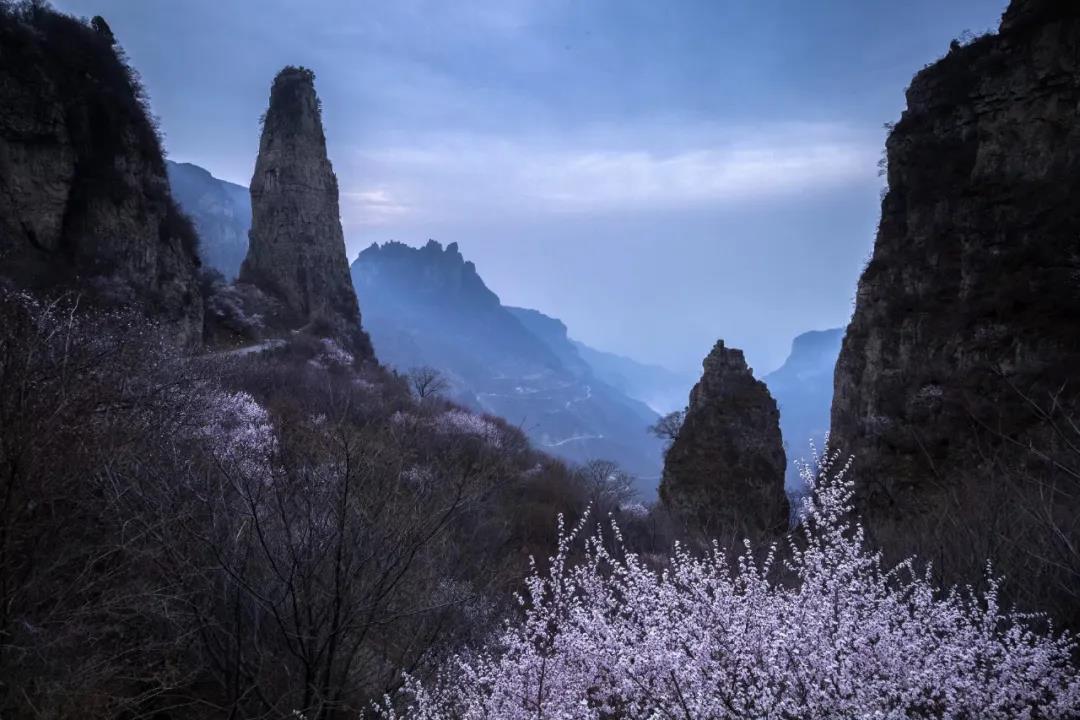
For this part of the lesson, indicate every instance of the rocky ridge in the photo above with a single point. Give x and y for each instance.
(429, 306)
(724, 472)
(221, 212)
(803, 388)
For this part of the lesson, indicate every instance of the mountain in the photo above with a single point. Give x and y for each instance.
(958, 385)
(661, 389)
(84, 197)
(429, 306)
(221, 212)
(803, 388)
(297, 249)
(553, 333)
(724, 472)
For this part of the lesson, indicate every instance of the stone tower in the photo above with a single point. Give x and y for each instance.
(297, 250)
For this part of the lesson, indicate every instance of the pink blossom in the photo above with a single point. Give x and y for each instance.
(610, 637)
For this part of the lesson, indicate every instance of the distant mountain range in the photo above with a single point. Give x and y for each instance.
(221, 211)
(803, 389)
(658, 387)
(429, 306)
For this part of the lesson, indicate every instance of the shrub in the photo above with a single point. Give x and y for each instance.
(608, 637)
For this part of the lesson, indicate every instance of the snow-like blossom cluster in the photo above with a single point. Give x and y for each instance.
(844, 636)
(460, 422)
(333, 354)
(402, 418)
(636, 510)
(240, 431)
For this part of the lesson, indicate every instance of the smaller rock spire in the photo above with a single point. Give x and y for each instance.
(724, 473)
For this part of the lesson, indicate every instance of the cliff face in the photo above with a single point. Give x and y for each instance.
(964, 338)
(221, 212)
(297, 249)
(724, 473)
(84, 197)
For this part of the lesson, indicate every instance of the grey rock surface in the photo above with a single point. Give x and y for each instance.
(724, 472)
(964, 338)
(84, 197)
(297, 249)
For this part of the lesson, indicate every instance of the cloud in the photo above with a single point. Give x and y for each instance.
(644, 179)
(437, 177)
(371, 208)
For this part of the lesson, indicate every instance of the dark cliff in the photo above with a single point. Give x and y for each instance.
(297, 248)
(724, 473)
(84, 197)
(960, 370)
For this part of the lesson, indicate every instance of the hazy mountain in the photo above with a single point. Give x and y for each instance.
(803, 389)
(428, 306)
(661, 389)
(553, 333)
(221, 211)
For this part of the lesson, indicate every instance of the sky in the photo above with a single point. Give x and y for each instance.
(658, 175)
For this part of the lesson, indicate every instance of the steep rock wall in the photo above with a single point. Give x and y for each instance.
(973, 284)
(84, 198)
(959, 376)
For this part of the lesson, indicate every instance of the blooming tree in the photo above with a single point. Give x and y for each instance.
(462, 422)
(239, 431)
(609, 637)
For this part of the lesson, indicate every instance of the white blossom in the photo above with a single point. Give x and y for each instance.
(240, 431)
(610, 637)
(460, 422)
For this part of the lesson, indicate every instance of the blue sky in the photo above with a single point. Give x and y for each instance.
(657, 174)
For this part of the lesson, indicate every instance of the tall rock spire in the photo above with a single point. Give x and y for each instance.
(297, 249)
(724, 473)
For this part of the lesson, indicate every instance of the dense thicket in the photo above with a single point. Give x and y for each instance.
(244, 535)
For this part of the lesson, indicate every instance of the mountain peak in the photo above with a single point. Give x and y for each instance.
(297, 248)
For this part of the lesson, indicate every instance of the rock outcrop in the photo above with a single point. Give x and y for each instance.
(724, 472)
(84, 198)
(963, 350)
(297, 248)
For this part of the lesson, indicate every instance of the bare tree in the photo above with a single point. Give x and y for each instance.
(608, 485)
(667, 428)
(426, 382)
